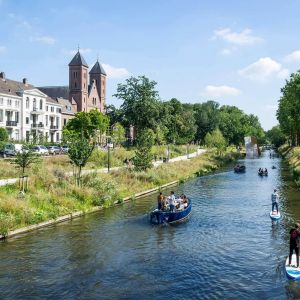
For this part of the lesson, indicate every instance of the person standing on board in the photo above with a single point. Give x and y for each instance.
(294, 234)
(274, 198)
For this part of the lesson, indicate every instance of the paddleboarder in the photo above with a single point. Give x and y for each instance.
(294, 235)
(274, 198)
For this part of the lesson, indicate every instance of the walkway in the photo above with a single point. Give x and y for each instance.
(4, 182)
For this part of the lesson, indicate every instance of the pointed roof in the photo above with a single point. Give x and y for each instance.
(97, 69)
(78, 60)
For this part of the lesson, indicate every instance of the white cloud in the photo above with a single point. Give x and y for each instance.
(48, 40)
(293, 57)
(220, 91)
(114, 72)
(226, 51)
(2, 49)
(264, 69)
(242, 38)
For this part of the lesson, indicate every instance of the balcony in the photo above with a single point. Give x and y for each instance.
(53, 127)
(37, 125)
(11, 123)
(36, 111)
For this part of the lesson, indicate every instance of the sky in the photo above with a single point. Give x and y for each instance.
(234, 52)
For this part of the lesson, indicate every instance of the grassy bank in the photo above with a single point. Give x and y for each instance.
(98, 160)
(292, 157)
(52, 194)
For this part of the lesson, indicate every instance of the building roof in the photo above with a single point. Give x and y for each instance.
(67, 107)
(11, 87)
(55, 91)
(97, 69)
(52, 101)
(78, 60)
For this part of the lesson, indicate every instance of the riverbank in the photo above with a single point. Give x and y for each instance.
(292, 156)
(52, 195)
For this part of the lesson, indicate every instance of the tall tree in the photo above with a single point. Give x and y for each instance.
(140, 102)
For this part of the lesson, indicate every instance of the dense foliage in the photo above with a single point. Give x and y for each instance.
(288, 109)
(178, 123)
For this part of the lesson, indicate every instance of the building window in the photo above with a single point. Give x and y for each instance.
(52, 109)
(17, 103)
(27, 102)
(27, 120)
(1, 101)
(27, 136)
(8, 102)
(47, 108)
(75, 84)
(34, 103)
(65, 122)
(1, 115)
(57, 136)
(17, 116)
(46, 120)
(41, 104)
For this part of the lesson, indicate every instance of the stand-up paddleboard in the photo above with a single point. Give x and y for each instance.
(292, 271)
(274, 216)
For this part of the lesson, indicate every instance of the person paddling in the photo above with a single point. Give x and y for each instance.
(294, 235)
(274, 198)
(160, 201)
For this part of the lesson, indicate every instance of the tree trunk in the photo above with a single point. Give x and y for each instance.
(79, 175)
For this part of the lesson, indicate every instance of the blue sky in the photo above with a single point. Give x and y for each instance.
(233, 52)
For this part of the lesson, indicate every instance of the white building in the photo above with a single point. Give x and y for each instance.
(23, 112)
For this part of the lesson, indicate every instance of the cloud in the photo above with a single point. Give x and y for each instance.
(293, 57)
(220, 91)
(242, 38)
(264, 69)
(48, 40)
(114, 72)
(19, 21)
(226, 51)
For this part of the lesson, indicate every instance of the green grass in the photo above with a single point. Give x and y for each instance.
(52, 194)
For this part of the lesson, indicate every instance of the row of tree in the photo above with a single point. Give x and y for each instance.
(175, 122)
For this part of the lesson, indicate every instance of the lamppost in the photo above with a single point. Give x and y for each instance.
(109, 145)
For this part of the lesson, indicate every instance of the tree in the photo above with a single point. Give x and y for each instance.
(80, 150)
(207, 117)
(118, 134)
(289, 107)
(140, 102)
(3, 138)
(143, 157)
(275, 136)
(25, 158)
(90, 124)
(215, 140)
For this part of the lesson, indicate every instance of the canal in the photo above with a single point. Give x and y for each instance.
(228, 249)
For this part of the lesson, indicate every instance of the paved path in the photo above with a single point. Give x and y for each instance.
(104, 170)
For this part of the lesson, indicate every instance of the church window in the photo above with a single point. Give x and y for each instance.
(75, 84)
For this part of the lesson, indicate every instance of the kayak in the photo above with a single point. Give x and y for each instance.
(292, 271)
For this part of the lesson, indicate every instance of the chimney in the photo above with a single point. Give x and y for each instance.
(2, 76)
(25, 81)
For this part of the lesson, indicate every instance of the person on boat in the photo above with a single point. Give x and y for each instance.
(294, 235)
(171, 200)
(185, 201)
(160, 201)
(266, 171)
(274, 198)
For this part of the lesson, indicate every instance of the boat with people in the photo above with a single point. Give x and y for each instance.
(171, 210)
(239, 169)
(262, 172)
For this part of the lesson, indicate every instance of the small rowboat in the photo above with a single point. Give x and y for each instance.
(161, 217)
(292, 271)
(274, 216)
(239, 169)
(263, 173)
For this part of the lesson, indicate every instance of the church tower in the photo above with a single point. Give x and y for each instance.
(98, 76)
(78, 81)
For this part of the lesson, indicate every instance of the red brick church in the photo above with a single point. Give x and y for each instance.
(86, 90)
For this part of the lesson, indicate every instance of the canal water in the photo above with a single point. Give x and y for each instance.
(229, 249)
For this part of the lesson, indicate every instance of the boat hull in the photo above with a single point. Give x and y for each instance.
(275, 217)
(162, 217)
